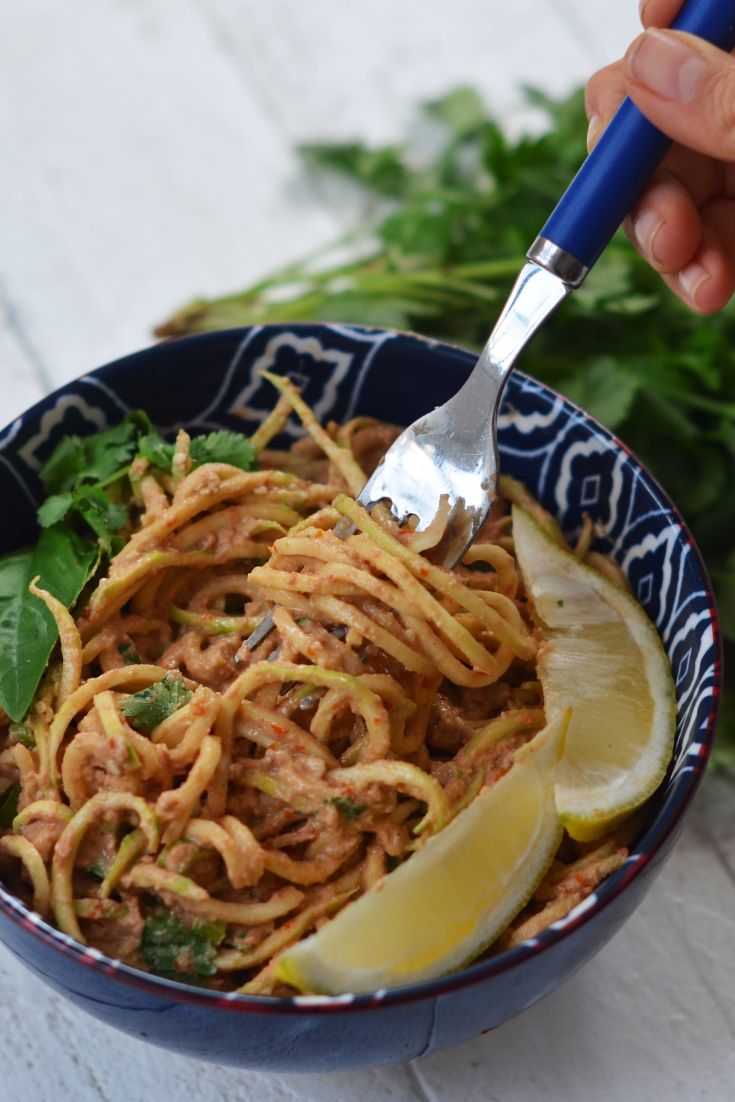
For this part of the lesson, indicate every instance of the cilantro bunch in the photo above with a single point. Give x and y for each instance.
(446, 233)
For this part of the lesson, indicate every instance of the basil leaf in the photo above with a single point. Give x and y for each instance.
(28, 631)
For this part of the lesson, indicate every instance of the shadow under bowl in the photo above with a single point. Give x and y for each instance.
(573, 465)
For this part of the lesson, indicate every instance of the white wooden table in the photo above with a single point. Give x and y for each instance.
(146, 157)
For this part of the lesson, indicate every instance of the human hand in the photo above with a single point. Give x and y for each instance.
(684, 222)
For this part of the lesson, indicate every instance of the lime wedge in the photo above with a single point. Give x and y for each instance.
(446, 904)
(601, 656)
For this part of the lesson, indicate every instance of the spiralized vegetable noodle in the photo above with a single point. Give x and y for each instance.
(193, 809)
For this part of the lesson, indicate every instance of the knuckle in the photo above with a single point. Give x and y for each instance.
(604, 91)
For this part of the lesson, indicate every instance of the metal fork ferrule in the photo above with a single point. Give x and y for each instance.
(557, 261)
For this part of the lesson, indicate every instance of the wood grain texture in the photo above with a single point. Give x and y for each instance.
(138, 172)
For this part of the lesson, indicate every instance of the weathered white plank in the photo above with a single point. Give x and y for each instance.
(23, 377)
(52, 1051)
(604, 29)
(346, 70)
(138, 172)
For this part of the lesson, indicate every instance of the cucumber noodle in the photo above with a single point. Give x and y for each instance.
(268, 794)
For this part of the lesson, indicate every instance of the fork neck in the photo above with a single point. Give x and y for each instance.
(536, 294)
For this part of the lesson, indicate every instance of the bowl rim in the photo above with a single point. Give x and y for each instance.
(654, 837)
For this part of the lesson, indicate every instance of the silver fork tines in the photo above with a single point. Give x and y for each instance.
(452, 452)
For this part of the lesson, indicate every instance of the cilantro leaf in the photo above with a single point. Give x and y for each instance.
(223, 447)
(55, 508)
(347, 807)
(93, 458)
(65, 466)
(149, 707)
(103, 515)
(179, 953)
(155, 449)
(106, 452)
(382, 170)
(217, 447)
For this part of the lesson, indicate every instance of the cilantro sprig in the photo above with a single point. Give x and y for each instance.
(81, 472)
(178, 952)
(144, 710)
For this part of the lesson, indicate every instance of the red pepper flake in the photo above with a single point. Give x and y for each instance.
(502, 773)
(376, 719)
(424, 571)
(207, 616)
(277, 729)
(198, 709)
(319, 533)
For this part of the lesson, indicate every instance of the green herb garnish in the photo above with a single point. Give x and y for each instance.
(130, 655)
(21, 733)
(347, 807)
(179, 953)
(28, 631)
(146, 709)
(9, 806)
(217, 447)
(392, 863)
(80, 470)
(86, 478)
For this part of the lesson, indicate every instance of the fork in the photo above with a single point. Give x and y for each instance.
(451, 454)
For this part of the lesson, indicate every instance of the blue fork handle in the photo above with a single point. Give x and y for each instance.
(626, 156)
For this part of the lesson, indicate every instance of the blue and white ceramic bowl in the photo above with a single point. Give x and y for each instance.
(573, 465)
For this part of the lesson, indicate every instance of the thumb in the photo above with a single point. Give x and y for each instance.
(686, 87)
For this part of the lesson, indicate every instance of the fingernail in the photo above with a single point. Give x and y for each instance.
(594, 130)
(665, 65)
(692, 277)
(645, 228)
(641, 8)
